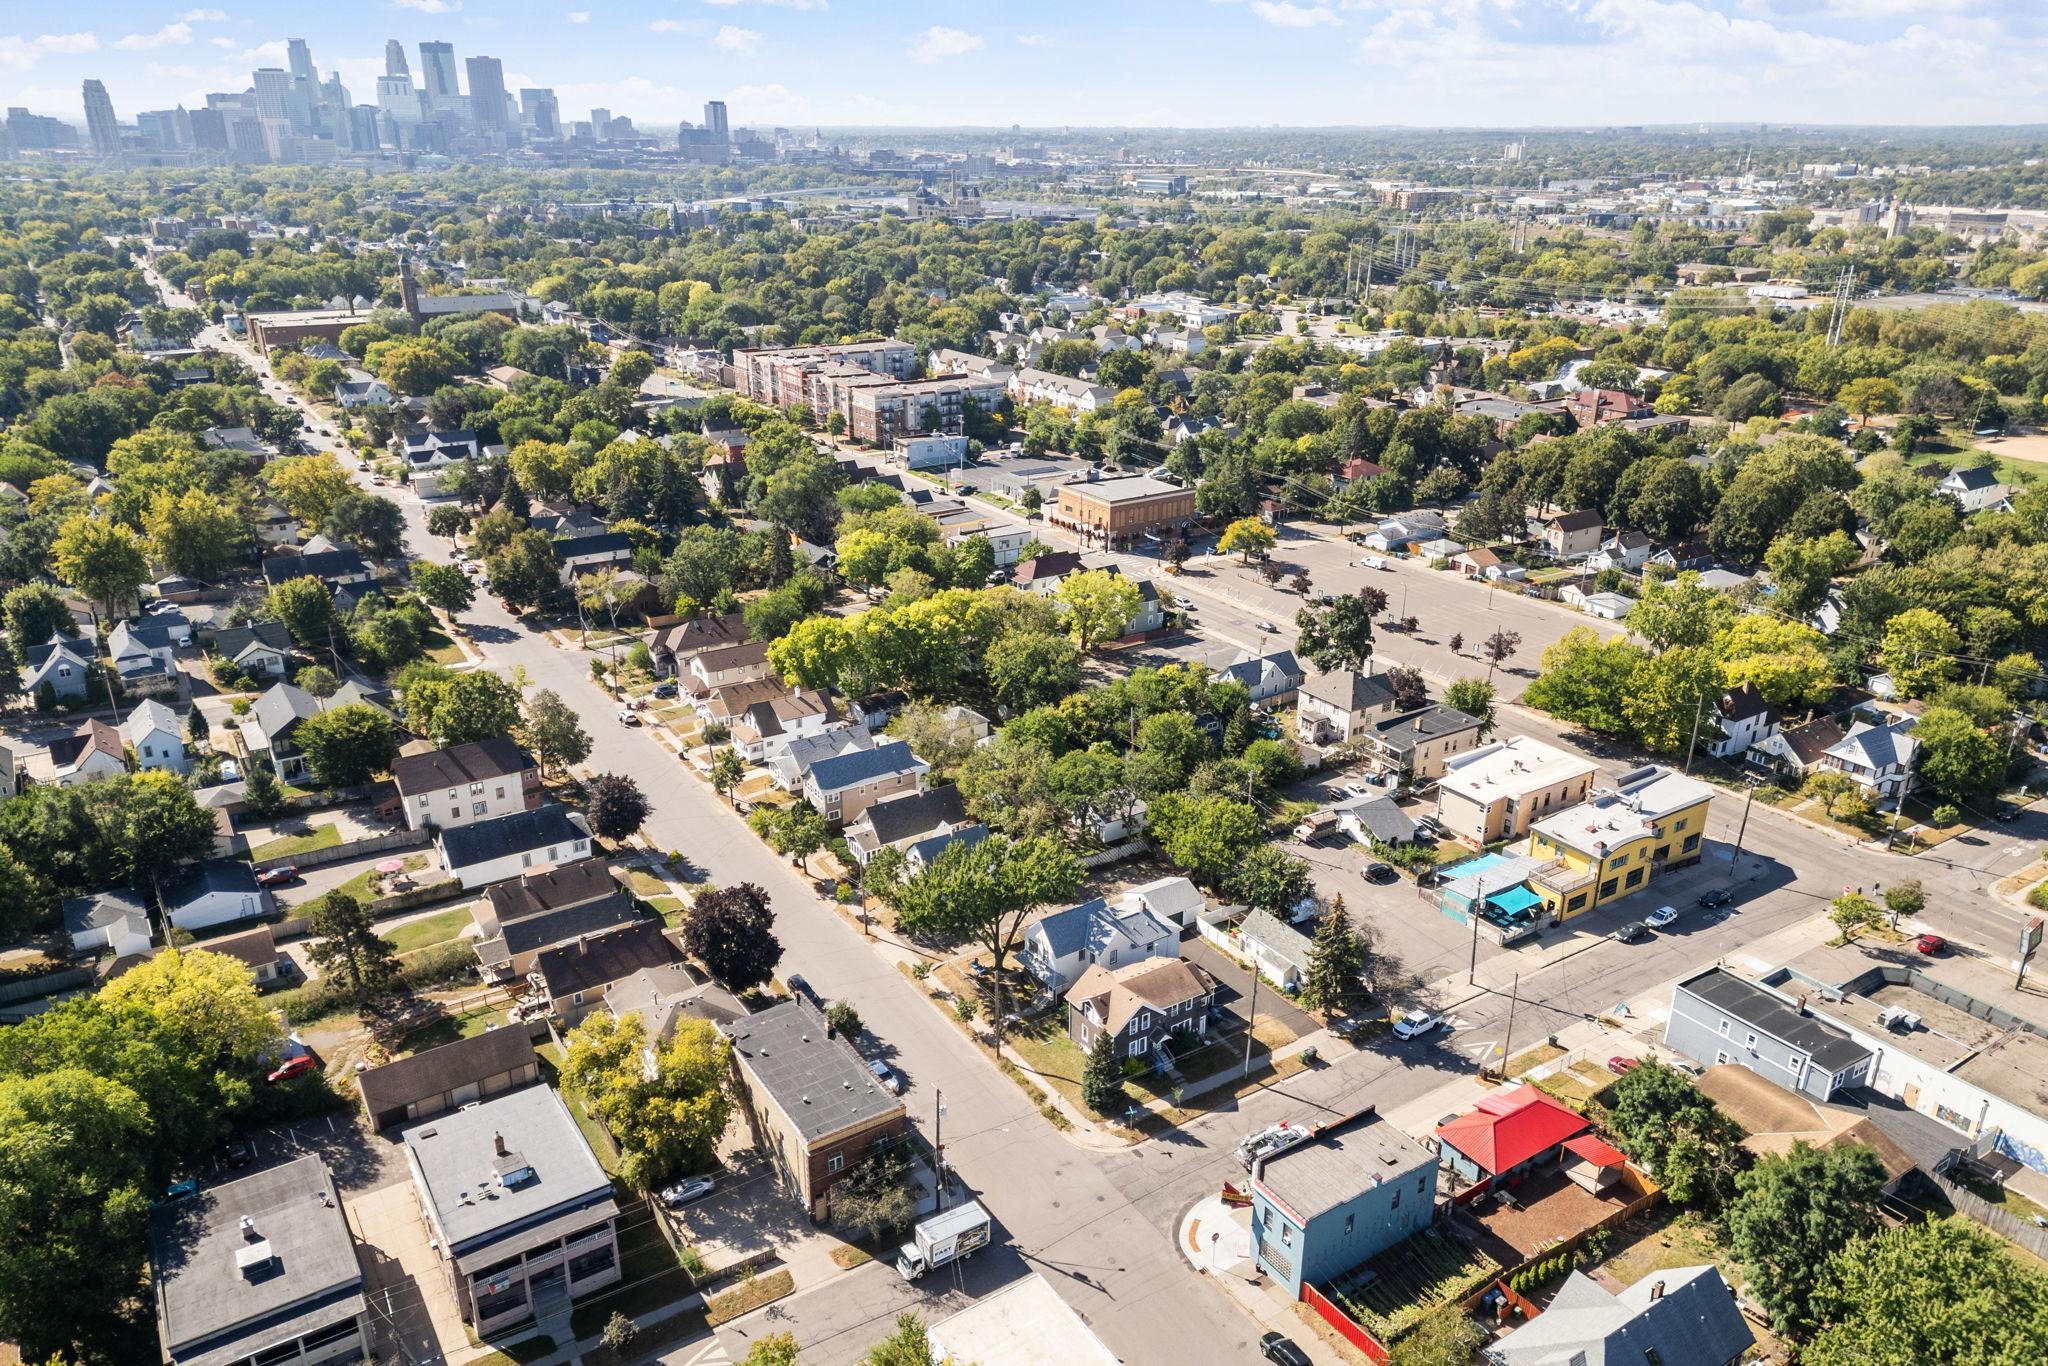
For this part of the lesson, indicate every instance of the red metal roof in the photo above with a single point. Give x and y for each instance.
(1507, 1129)
(1595, 1150)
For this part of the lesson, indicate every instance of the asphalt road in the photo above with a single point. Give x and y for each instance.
(1099, 1225)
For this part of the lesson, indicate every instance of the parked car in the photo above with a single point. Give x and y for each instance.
(628, 717)
(2004, 811)
(1661, 917)
(666, 690)
(1355, 790)
(886, 1075)
(180, 1190)
(237, 1154)
(1632, 933)
(1619, 1064)
(1417, 1023)
(1380, 872)
(1186, 604)
(277, 877)
(1720, 896)
(687, 1192)
(1282, 1351)
(1371, 562)
(1931, 944)
(294, 1067)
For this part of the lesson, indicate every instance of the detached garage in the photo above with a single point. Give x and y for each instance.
(449, 1077)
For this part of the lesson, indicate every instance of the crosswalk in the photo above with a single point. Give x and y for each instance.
(712, 1353)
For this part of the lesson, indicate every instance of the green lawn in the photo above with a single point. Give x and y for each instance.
(362, 885)
(649, 1277)
(428, 930)
(645, 885)
(448, 1029)
(669, 908)
(319, 837)
(600, 1142)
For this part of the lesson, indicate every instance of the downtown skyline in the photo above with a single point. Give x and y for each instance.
(1199, 63)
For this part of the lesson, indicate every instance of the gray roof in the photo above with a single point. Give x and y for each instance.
(601, 959)
(398, 1084)
(459, 765)
(844, 770)
(659, 996)
(1425, 723)
(203, 1298)
(280, 707)
(914, 813)
(213, 875)
(457, 1167)
(325, 565)
(817, 1080)
(551, 889)
(149, 715)
(1976, 477)
(445, 305)
(1337, 1166)
(931, 846)
(1171, 898)
(1249, 669)
(1089, 925)
(544, 929)
(1878, 747)
(1683, 1317)
(465, 846)
(1381, 817)
(1768, 1013)
(99, 910)
(1263, 927)
(235, 640)
(1350, 690)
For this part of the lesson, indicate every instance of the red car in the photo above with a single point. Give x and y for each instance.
(1619, 1064)
(294, 1067)
(277, 877)
(1930, 944)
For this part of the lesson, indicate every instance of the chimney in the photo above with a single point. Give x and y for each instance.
(498, 1144)
(1657, 1292)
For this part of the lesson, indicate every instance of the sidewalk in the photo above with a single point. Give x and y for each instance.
(1216, 1239)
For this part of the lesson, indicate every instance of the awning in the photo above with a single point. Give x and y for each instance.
(1595, 1150)
(1515, 900)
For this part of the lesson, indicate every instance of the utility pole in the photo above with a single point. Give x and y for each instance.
(1507, 1043)
(1251, 1021)
(1735, 859)
(939, 1144)
(1472, 913)
(1699, 709)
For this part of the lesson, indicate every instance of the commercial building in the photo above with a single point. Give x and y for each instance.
(262, 1269)
(1650, 822)
(1497, 791)
(1118, 511)
(1351, 1192)
(817, 1109)
(520, 1212)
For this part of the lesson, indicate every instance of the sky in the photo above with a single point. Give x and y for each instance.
(1132, 63)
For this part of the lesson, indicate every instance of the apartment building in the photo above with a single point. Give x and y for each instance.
(467, 783)
(1497, 791)
(1620, 840)
(1117, 511)
(1061, 391)
(880, 413)
(779, 375)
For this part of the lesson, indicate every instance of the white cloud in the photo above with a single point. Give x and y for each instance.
(272, 53)
(668, 26)
(430, 6)
(170, 35)
(222, 40)
(938, 42)
(741, 42)
(25, 52)
(1032, 39)
(578, 16)
(205, 16)
(1287, 14)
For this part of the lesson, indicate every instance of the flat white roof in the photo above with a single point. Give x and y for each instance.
(1517, 764)
(1627, 812)
(1025, 1324)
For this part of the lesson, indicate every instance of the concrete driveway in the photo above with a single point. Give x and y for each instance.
(1234, 986)
(414, 1305)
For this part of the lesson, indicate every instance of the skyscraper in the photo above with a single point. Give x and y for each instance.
(601, 124)
(394, 58)
(301, 59)
(396, 97)
(486, 91)
(541, 112)
(714, 120)
(437, 73)
(273, 90)
(99, 120)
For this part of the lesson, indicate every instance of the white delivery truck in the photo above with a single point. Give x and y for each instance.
(945, 1237)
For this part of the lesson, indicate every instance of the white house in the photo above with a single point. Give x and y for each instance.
(465, 784)
(215, 892)
(1745, 718)
(153, 732)
(1405, 530)
(1174, 900)
(492, 850)
(1626, 550)
(1061, 391)
(1879, 758)
(1606, 606)
(793, 765)
(63, 665)
(1274, 677)
(116, 920)
(1060, 947)
(1277, 949)
(93, 751)
(360, 389)
(1974, 489)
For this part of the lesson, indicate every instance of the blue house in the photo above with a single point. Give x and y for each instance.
(1348, 1194)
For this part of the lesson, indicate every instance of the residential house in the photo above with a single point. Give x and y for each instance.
(260, 1268)
(1141, 1006)
(216, 891)
(1724, 580)
(572, 977)
(1627, 551)
(488, 851)
(1745, 717)
(1373, 818)
(673, 646)
(818, 1109)
(844, 786)
(1506, 1138)
(1478, 563)
(1417, 744)
(516, 1207)
(1337, 707)
(722, 666)
(427, 451)
(1879, 757)
(522, 917)
(1606, 606)
(1717, 1018)
(1439, 548)
(1568, 535)
(63, 665)
(920, 854)
(1028, 385)
(467, 783)
(1495, 792)
(1059, 947)
(116, 920)
(1613, 844)
(1974, 489)
(360, 389)
(145, 656)
(10, 773)
(793, 765)
(766, 718)
(257, 951)
(1687, 1316)
(152, 731)
(1272, 679)
(1356, 1188)
(1042, 573)
(1410, 528)
(262, 649)
(337, 569)
(1278, 950)
(240, 439)
(1796, 752)
(448, 1077)
(1357, 471)
(1592, 407)
(94, 750)
(1174, 900)
(268, 733)
(1773, 1119)
(662, 998)
(901, 821)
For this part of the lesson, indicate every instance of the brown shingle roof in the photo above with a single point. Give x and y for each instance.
(257, 947)
(604, 958)
(1119, 993)
(567, 884)
(398, 1084)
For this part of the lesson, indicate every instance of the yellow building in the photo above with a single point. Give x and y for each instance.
(1620, 840)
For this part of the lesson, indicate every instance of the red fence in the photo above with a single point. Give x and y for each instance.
(1347, 1327)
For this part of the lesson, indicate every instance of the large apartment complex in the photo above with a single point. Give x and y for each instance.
(868, 384)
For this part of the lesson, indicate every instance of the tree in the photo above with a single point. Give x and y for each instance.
(796, 832)
(1246, 537)
(1338, 960)
(1102, 1080)
(306, 609)
(1852, 912)
(347, 945)
(261, 791)
(1205, 836)
(620, 1334)
(1270, 879)
(414, 366)
(1919, 651)
(461, 708)
(616, 806)
(843, 1018)
(1032, 668)
(773, 1349)
(1957, 758)
(317, 679)
(1446, 1337)
(1474, 697)
(728, 770)
(876, 1196)
(348, 745)
(34, 612)
(195, 533)
(102, 559)
(524, 570)
(443, 586)
(1670, 696)
(25, 897)
(1941, 1290)
(1665, 1123)
(149, 824)
(908, 1345)
(554, 732)
(1803, 568)
(666, 1123)
(1785, 660)
(1339, 636)
(1905, 898)
(1792, 1214)
(446, 519)
(1680, 612)
(1498, 648)
(1411, 690)
(1097, 606)
(1868, 397)
(371, 524)
(308, 485)
(731, 932)
(986, 891)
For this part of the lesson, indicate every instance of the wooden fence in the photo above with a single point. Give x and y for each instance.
(2029, 1236)
(352, 849)
(1348, 1328)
